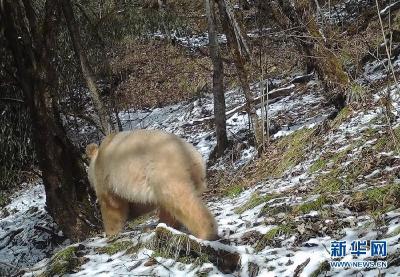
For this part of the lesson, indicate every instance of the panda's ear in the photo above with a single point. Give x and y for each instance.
(91, 150)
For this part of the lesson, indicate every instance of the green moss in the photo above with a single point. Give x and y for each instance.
(116, 247)
(254, 200)
(341, 117)
(353, 171)
(356, 93)
(317, 165)
(340, 156)
(64, 262)
(369, 132)
(379, 197)
(329, 182)
(339, 177)
(182, 248)
(382, 144)
(387, 143)
(169, 245)
(377, 200)
(334, 158)
(315, 205)
(376, 195)
(323, 267)
(271, 211)
(270, 237)
(233, 191)
(293, 148)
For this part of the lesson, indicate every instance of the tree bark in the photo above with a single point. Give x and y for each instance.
(64, 177)
(218, 81)
(162, 8)
(240, 53)
(87, 72)
(296, 15)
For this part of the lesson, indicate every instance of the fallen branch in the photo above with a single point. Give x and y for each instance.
(300, 267)
(15, 100)
(157, 262)
(273, 96)
(390, 8)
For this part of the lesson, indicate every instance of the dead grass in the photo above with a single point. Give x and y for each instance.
(157, 73)
(193, 11)
(376, 199)
(282, 155)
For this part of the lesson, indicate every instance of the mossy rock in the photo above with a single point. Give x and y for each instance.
(115, 247)
(182, 248)
(64, 262)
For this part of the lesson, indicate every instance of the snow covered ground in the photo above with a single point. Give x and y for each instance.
(27, 233)
(280, 226)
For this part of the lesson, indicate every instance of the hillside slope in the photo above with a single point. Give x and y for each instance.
(320, 180)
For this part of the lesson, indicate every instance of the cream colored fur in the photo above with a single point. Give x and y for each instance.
(150, 167)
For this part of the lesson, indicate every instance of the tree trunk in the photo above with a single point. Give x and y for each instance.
(240, 53)
(162, 8)
(297, 16)
(64, 177)
(218, 81)
(104, 117)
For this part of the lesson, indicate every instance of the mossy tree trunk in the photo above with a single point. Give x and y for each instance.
(64, 177)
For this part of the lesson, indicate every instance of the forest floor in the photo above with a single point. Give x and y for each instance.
(322, 178)
(319, 181)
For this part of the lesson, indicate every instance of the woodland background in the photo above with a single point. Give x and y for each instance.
(70, 70)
